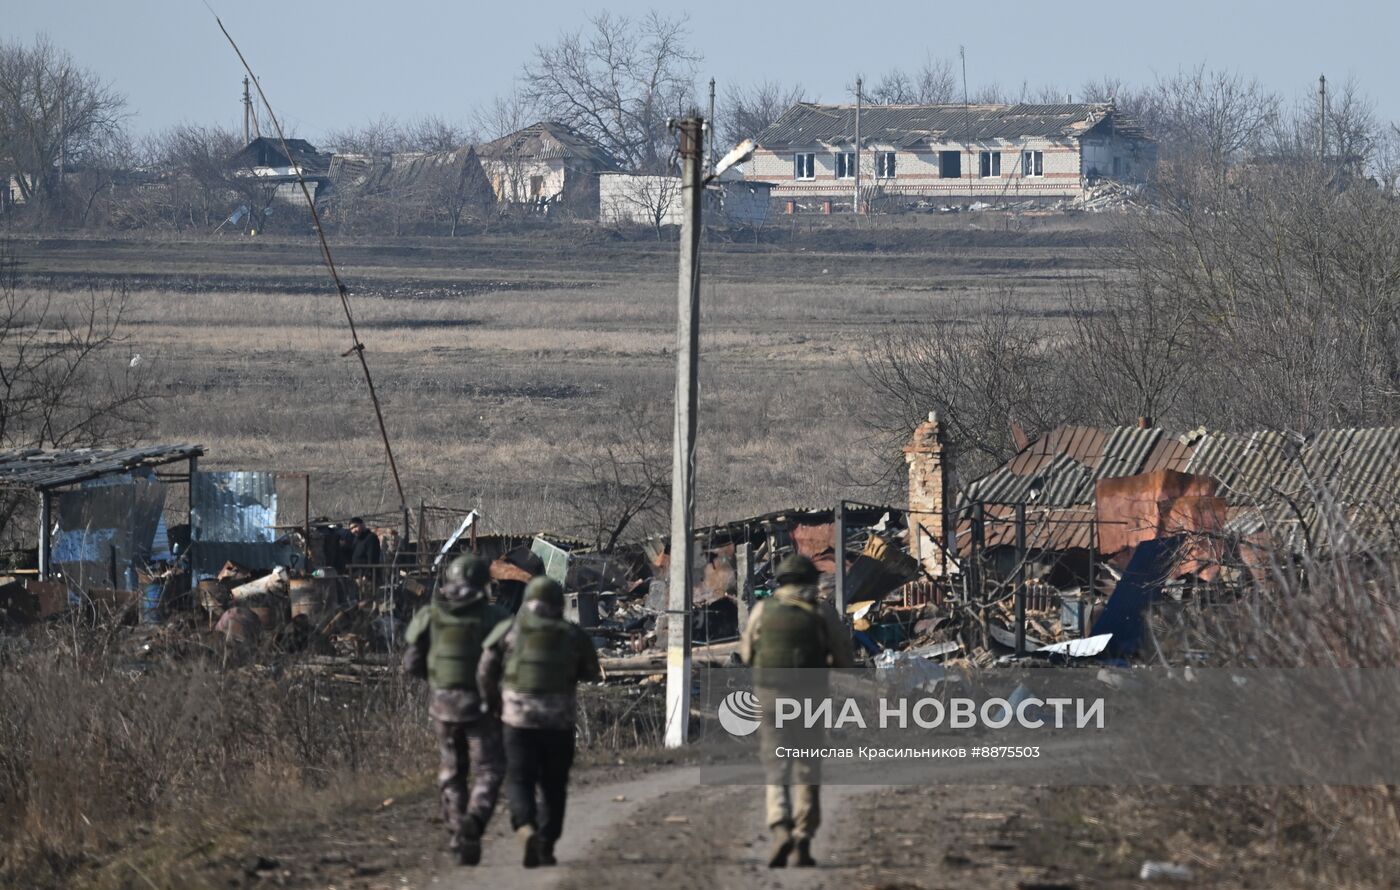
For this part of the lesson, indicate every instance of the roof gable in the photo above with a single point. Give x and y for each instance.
(550, 140)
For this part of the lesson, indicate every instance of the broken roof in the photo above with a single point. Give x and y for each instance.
(265, 151)
(406, 171)
(1266, 477)
(907, 126)
(550, 140)
(39, 470)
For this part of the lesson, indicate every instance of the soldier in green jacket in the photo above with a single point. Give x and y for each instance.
(529, 673)
(445, 642)
(788, 632)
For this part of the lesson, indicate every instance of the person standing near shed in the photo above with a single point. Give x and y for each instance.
(529, 674)
(788, 634)
(445, 640)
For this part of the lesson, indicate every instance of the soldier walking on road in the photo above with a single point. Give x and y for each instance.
(787, 633)
(529, 674)
(445, 641)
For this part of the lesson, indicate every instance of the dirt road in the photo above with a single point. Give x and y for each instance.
(666, 830)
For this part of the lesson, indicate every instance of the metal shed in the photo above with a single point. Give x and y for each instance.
(49, 473)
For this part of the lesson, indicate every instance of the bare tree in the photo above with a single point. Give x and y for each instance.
(52, 113)
(618, 80)
(198, 188)
(749, 110)
(934, 83)
(1211, 116)
(65, 379)
(1131, 343)
(506, 169)
(623, 482)
(981, 366)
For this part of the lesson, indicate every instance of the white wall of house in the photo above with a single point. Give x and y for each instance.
(918, 172)
(637, 199)
(521, 180)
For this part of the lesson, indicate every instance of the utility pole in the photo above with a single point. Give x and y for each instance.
(1322, 118)
(710, 133)
(855, 204)
(678, 592)
(247, 112)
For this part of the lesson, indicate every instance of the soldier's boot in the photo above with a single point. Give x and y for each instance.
(803, 853)
(547, 853)
(782, 847)
(468, 842)
(530, 844)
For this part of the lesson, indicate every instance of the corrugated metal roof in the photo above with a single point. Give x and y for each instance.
(905, 126)
(1293, 484)
(37, 469)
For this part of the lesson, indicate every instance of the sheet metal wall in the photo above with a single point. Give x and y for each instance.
(233, 515)
(106, 529)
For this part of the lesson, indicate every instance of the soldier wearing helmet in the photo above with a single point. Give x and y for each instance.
(529, 673)
(788, 632)
(445, 641)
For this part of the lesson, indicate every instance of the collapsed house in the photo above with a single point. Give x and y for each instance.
(547, 164)
(949, 153)
(404, 189)
(1060, 525)
(281, 169)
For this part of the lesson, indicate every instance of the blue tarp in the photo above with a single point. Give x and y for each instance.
(1141, 584)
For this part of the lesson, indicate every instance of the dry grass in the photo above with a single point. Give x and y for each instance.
(498, 357)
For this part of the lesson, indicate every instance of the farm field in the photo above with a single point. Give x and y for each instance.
(506, 360)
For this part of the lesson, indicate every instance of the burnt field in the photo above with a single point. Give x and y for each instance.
(506, 360)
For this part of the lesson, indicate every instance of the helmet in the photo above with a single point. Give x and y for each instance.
(471, 571)
(797, 569)
(545, 589)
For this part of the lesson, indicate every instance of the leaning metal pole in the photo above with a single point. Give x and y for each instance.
(678, 593)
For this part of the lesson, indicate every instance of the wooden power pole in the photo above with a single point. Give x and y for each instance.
(678, 592)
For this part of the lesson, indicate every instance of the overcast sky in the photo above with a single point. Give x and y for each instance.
(329, 63)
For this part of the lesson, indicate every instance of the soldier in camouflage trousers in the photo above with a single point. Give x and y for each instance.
(529, 673)
(789, 634)
(445, 642)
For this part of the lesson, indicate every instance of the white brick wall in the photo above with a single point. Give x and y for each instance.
(917, 172)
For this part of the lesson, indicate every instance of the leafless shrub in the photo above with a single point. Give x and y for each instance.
(623, 481)
(980, 367)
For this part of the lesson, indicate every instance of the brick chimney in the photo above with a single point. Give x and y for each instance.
(930, 464)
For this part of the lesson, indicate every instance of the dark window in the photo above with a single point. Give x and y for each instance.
(845, 165)
(884, 165)
(804, 165)
(536, 186)
(1032, 163)
(1117, 166)
(991, 163)
(950, 164)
